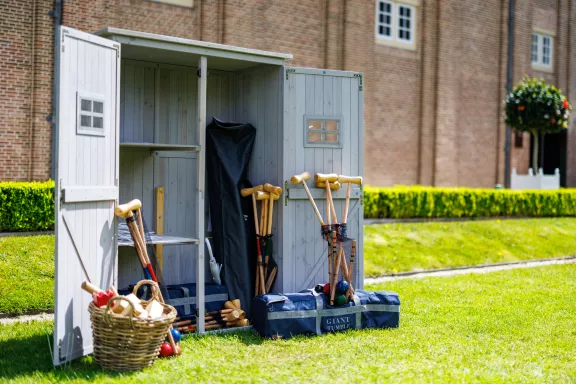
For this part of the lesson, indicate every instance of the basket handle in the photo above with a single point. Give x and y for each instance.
(155, 289)
(108, 311)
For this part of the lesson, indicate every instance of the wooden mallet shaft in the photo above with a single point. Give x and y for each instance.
(301, 178)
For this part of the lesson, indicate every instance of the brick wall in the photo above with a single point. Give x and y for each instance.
(432, 115)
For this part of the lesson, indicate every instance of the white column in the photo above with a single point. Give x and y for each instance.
(200, 306)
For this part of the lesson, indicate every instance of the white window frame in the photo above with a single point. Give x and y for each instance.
(91, 130)
(538, 59)
(394, 40)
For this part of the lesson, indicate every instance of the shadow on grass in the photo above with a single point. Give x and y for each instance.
(246, 337)
(29, 357)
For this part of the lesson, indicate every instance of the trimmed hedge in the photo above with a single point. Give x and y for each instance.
(429, 202)
(26, 206)
(30, 206)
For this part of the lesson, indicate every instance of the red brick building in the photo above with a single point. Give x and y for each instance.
(435, 72)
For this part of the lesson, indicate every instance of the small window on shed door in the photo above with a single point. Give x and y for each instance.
(323, 132)
(90, 111)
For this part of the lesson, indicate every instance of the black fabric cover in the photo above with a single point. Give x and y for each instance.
(228, 151)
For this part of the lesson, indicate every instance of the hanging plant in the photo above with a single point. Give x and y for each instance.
(536, 107)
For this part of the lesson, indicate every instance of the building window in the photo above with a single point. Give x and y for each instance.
(396, 23)
(181, 3)
(542, 51)
(323, 131)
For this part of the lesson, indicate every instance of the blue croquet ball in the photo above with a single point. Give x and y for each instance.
(342, 286)
(176, 335)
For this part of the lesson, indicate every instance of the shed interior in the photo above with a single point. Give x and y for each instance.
(159, 97)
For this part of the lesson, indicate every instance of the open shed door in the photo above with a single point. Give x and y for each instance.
(86, 155)
(323, 133)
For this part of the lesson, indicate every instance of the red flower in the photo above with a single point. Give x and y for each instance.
(521, 107)
(566, 105)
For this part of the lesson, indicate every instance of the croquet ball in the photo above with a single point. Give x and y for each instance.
(176, 335)
(342, 286)
(340, 299)
(326, 289)
(166, 350)
(318, 288)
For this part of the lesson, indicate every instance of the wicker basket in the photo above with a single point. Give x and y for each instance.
(127, 343)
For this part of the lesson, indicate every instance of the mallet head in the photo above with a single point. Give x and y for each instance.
(300, 178)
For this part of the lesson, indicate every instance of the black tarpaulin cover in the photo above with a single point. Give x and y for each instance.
(228, 151)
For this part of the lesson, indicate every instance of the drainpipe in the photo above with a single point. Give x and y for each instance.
(56, 13)
(509, 75)
(32, 90)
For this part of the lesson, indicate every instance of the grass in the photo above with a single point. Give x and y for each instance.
(509, 326)
(27, 273)
(388, 248)
(392, 248)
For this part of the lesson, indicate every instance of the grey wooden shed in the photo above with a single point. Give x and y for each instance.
(131, 116)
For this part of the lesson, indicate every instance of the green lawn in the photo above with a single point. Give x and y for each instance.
(27, 273)
(26, 276)
(509, 326)
(392, 248)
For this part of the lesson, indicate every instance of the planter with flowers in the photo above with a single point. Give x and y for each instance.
(538, 108)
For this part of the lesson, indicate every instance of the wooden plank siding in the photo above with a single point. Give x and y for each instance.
(258, 101)
(159, 105)
(87, 65)
(310, 92)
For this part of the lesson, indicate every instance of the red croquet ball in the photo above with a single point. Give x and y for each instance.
(326, 289)
(166, 350)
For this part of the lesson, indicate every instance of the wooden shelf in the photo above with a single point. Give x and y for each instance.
(125, 240)
(162, 239)
(162, 147)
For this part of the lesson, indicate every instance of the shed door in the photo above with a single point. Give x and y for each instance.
(86, 155)
(323, 132)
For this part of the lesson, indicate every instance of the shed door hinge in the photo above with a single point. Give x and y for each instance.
(360, 81)
(287, 194)
(288, 71)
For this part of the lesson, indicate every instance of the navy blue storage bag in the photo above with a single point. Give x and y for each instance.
(183, 297)
(286, 315)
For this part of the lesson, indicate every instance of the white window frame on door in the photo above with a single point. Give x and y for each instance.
(394, 39)
(537, 56)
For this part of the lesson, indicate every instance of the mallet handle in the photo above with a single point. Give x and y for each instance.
(270, 210)
(331, 202)
(331, 177)
(350, 179)
(90, 288)
(347, 203)
(272, 189)
(125, 210)
(245, 192)
(255, 215)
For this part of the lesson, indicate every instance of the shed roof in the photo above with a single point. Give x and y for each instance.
(176, 50)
